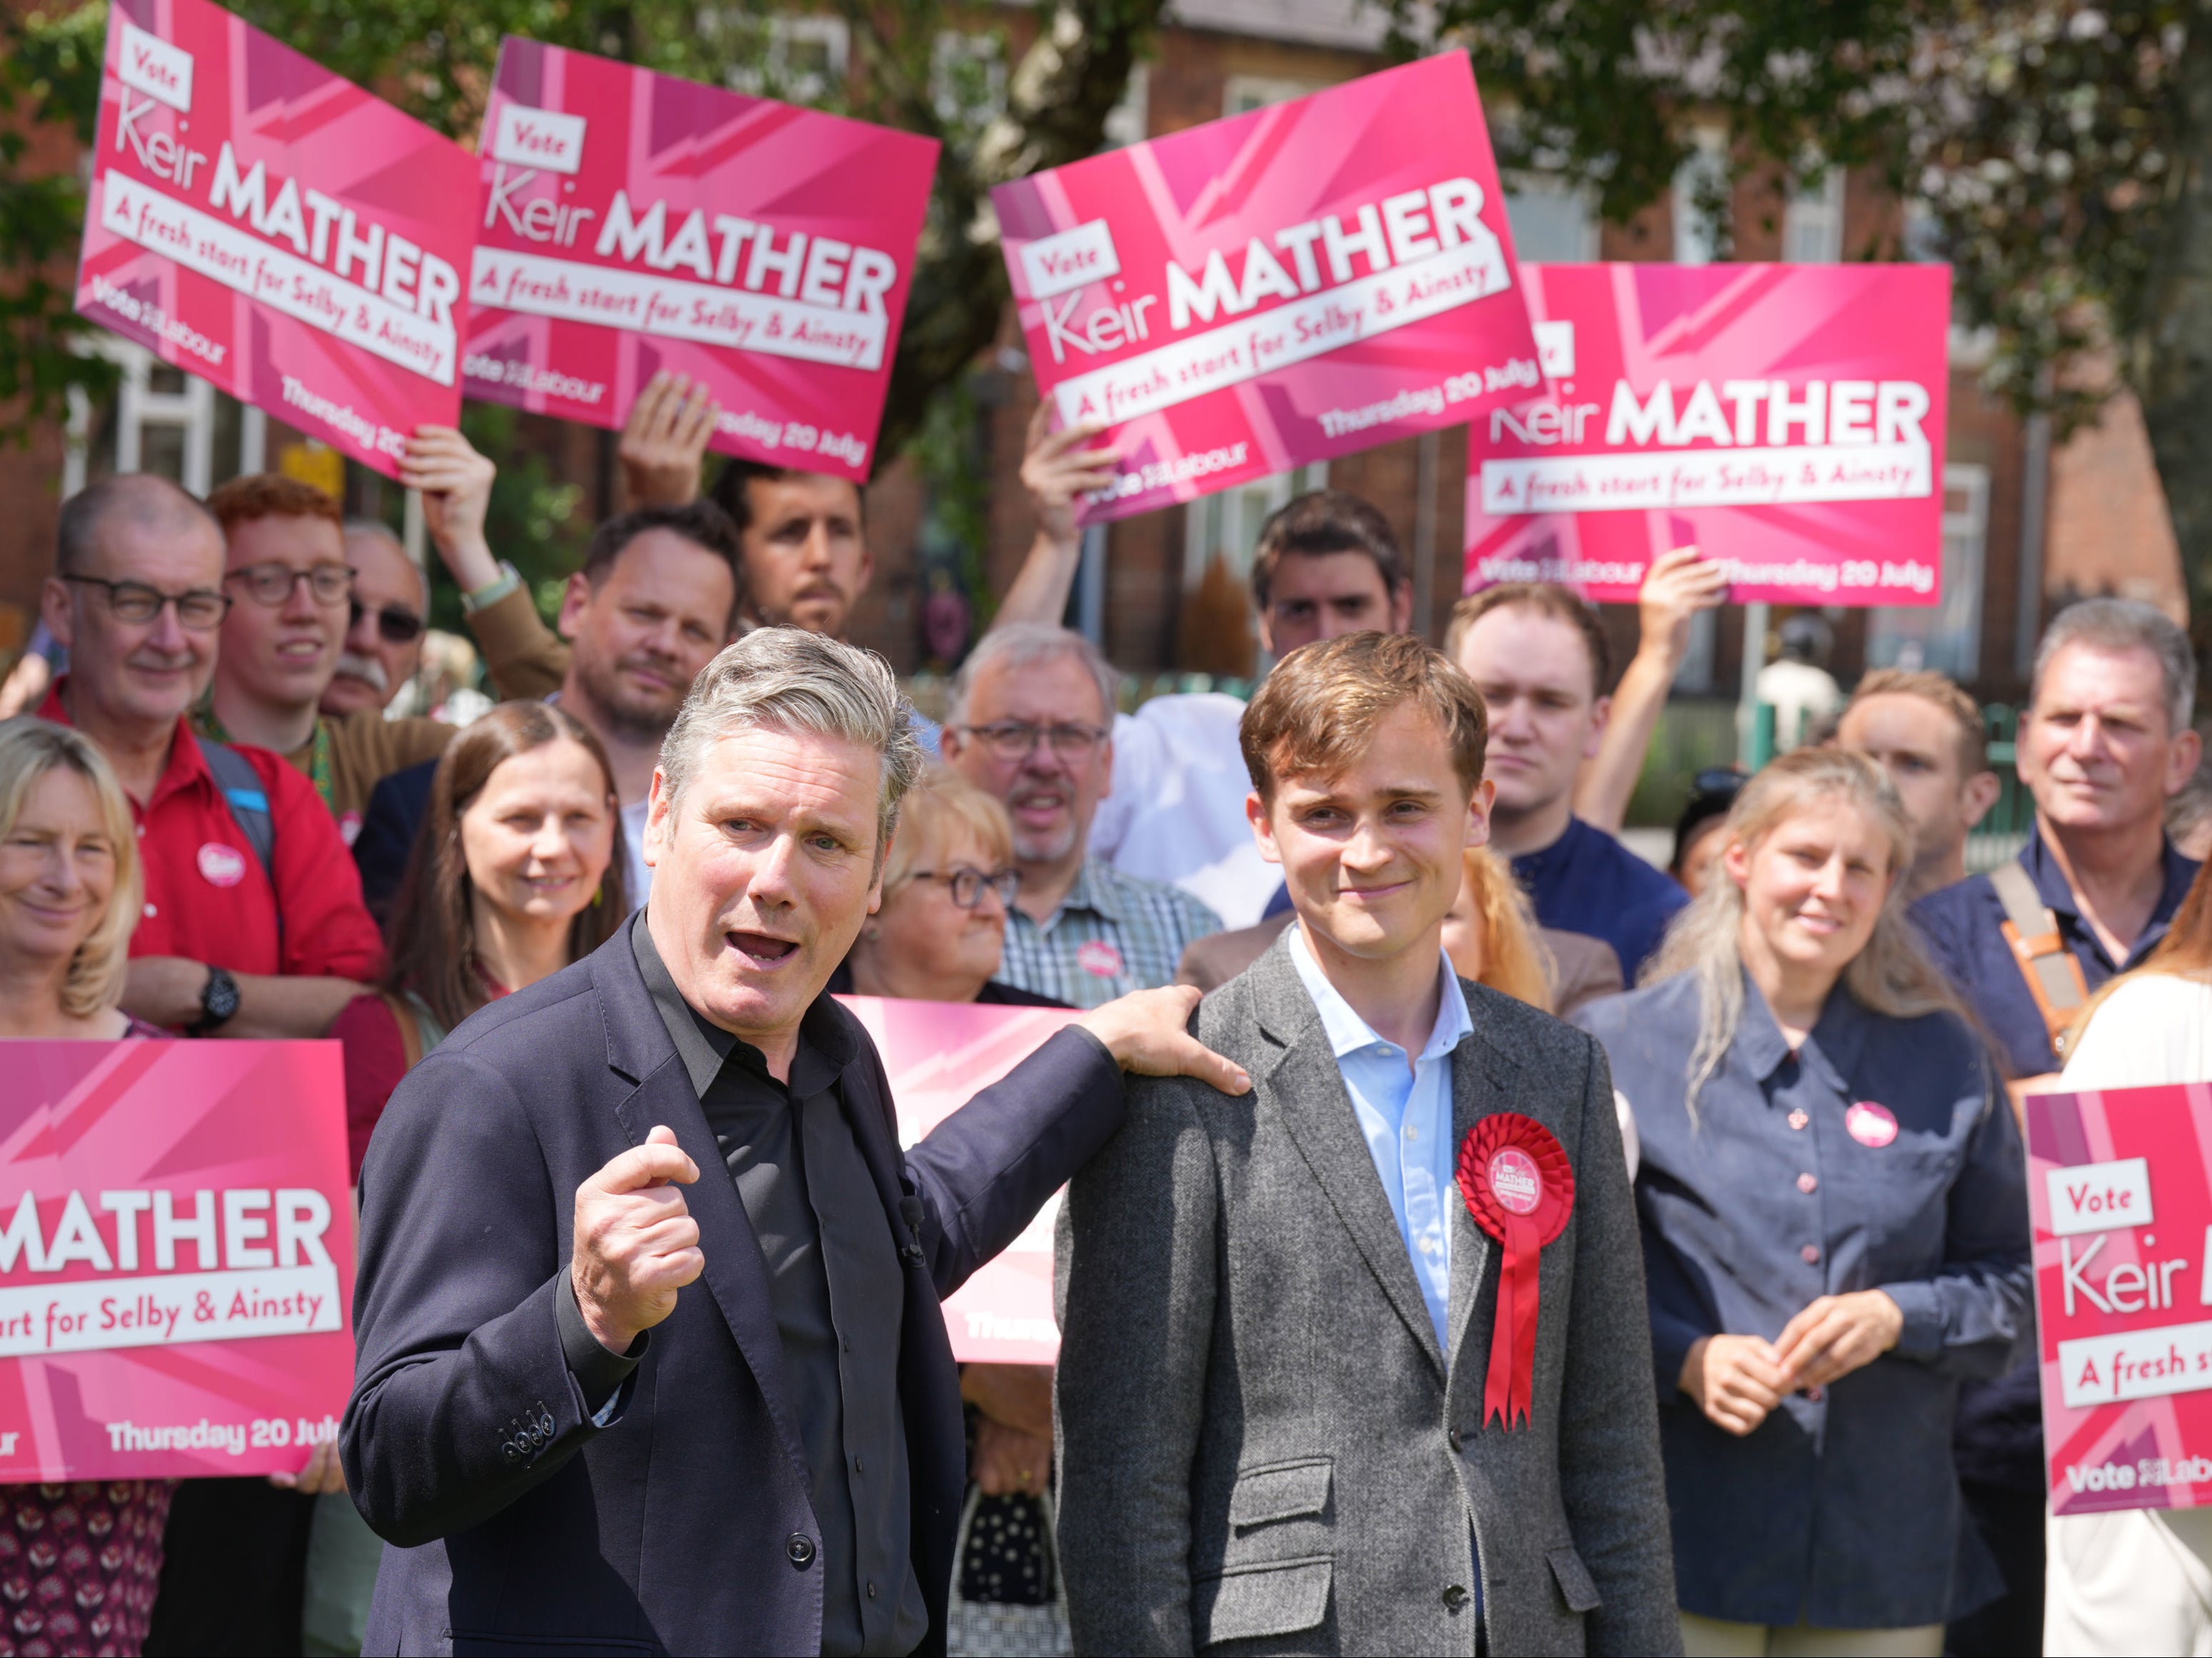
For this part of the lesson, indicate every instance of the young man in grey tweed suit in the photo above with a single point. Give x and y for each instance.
(1282, 1424)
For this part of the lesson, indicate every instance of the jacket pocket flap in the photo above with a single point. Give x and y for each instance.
(1283, 1491)
(1575, 1583)
(1245, 1603)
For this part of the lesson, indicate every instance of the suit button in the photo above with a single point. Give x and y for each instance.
(1455, 1598)
(800, 1547)
(1458, 1444)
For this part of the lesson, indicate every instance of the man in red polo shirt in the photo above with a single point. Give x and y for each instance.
(138, 598)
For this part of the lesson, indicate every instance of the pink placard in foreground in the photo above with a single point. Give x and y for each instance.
(2119, 1185)
(176, 1258)
(273, 228)
(632, 222)
(1785, 419)
(940, 1055)
(1306, 279)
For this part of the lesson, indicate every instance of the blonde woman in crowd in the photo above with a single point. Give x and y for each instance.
(1835, 1229)
(86, 1557)
(2140, 1580)
(947, 881)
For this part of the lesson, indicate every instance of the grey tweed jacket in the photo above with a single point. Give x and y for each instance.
(1263, 1449)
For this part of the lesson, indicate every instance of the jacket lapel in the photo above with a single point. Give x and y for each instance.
(1482, 1085)
(1305, 1085)
(639, 1051)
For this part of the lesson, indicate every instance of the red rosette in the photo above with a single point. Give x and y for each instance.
(1520, 1188)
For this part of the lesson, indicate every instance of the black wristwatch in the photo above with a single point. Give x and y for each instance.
(218, 1001)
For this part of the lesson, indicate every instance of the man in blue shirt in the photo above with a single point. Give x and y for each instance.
(2104, 743)
(1538, 655)
(1275, 1387)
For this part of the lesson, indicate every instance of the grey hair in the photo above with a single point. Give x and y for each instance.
(2124, 624)
(1023, 645)
(145, 499)
(788, 679)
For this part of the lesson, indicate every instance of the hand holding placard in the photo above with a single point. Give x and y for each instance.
(636, 1243)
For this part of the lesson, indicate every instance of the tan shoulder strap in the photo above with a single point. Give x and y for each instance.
(410, 1028)
(2052, 975)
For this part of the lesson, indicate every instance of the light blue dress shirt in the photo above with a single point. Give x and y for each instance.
(1406, 1114)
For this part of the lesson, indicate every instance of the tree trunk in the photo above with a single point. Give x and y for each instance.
(2172, 355)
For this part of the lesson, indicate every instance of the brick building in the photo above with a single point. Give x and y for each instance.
(1165, 593)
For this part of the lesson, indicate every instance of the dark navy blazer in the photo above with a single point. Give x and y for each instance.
(682, 1524)
(1843, 1509)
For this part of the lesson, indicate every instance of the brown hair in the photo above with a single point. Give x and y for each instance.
(2186, 952)
(1514, 960)
(701, 523)
(1321, 522)
(1546, 599)
(1323, 700)
(1945, 693)
(29, 749)
(270, 494)
(433, 935)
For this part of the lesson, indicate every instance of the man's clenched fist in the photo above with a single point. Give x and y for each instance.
(636, 1243)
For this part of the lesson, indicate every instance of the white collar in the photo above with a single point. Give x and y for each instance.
(1348, 1033)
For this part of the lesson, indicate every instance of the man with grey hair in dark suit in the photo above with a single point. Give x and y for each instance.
(1359, 1361)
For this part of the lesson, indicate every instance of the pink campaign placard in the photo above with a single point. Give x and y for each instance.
(273, 228)
(1786, 419)
(2119, 1186)
(176, 1258)
(1306, 279)
(938, 1056)
(634, 222)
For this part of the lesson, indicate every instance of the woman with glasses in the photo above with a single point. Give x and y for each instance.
(79, 1561)
(948, 881)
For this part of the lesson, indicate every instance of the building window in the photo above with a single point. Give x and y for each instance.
(1699, 228)
(1552, 220)
(800, 59)
(1813, 223)
(1226, 525)
(1242, 93)
(1947, 637)
(1126, 121)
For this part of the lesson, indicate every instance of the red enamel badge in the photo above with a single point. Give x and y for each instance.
(1520, 1188)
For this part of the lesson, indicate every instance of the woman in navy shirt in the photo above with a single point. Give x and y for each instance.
(1835, 1229)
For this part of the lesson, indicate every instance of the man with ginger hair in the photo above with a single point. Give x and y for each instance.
(1289, 1411)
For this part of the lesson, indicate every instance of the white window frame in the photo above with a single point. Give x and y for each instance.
(1697, 239)
(139, 408)
(1539, 192)
(1228, 521)
(776, 75)
(1947, 636)
(1813, 223)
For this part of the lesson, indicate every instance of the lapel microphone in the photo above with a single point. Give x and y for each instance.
(910, 1212)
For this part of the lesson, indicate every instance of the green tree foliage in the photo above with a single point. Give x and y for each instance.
(2057, 153)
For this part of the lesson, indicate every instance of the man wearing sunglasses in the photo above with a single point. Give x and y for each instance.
(1031, 720)
(384, 634)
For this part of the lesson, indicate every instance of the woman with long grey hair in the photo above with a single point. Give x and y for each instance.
(1835, 1229)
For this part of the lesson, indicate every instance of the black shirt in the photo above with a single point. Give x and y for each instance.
(838, 1296)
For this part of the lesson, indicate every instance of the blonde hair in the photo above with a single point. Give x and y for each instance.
(941, 800)
(29, 749)
(1514, 960)
(1889, 976)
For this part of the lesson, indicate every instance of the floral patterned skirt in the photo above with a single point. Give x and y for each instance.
(79, 1565)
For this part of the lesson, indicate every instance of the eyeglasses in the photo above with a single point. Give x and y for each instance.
(394, 626)
(968, 884)
(199, 610)
(1016, 739)
(272, 584)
